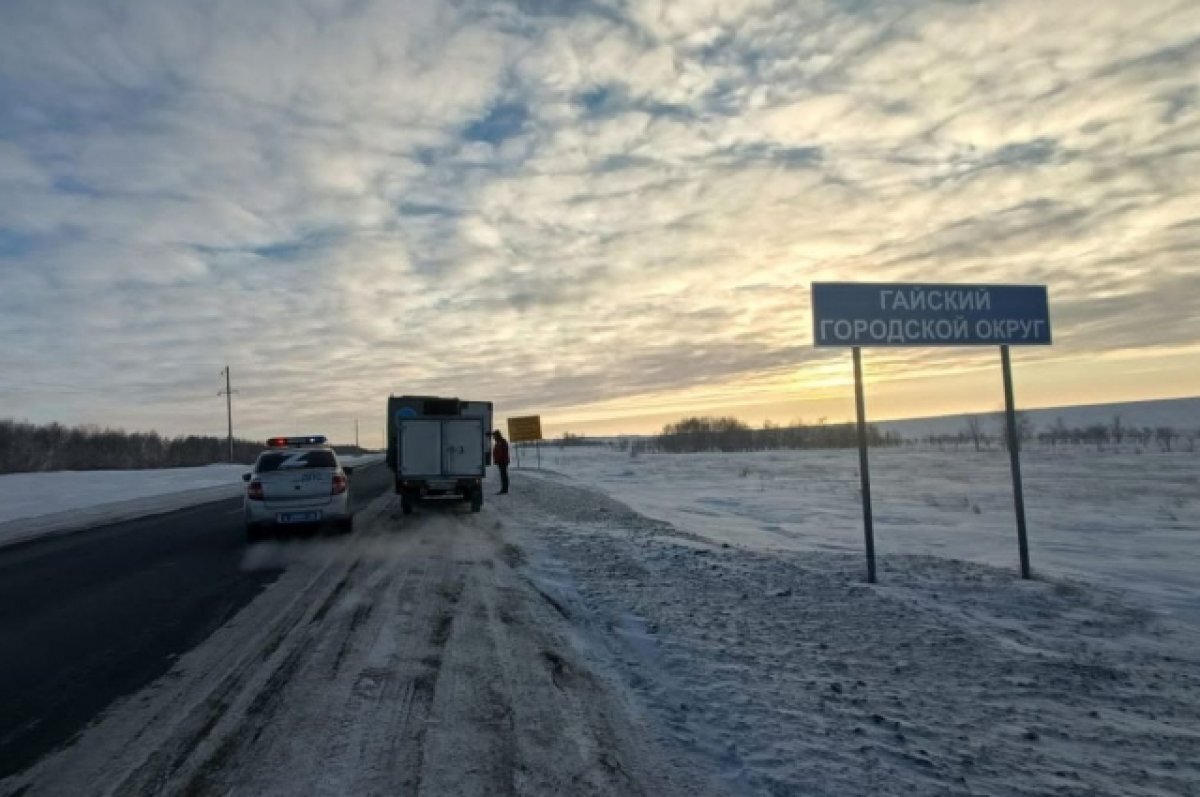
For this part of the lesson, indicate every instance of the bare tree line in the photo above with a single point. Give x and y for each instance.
(980, 432)
(730, 434)
(1116, 433)
(26, 447)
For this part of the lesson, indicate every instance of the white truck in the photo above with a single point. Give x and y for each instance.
(438, 448)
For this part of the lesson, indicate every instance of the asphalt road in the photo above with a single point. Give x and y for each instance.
(92, 616)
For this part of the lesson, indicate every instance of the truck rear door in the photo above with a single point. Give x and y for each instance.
(420, 448)
(462, 442)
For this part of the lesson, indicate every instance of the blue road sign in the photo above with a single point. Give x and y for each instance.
(917, 314)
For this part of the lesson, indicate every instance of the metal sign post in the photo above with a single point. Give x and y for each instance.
(855, 314)
(863, 471)
(1014, 456)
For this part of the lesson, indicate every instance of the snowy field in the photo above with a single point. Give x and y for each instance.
(1181, 415)
(779, 672)
(1123, 520)
(41, 504)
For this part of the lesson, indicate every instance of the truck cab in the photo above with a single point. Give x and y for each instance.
(438, 449)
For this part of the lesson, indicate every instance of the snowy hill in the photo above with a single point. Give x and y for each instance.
(1181, 414)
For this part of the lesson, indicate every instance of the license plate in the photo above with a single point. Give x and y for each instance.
(298, 517)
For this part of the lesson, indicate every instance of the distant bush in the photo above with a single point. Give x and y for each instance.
(730, 434)
(26, 447)
(569, 440)
(1100, 436)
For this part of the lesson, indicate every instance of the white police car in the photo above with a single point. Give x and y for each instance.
(297, 482)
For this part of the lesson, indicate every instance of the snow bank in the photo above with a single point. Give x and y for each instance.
(40, 504)
(1125, 520)
(781, 672)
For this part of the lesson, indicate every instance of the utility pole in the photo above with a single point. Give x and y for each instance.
(228, 394)
(356, 432)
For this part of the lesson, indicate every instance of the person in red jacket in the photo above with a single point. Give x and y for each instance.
(500, 457)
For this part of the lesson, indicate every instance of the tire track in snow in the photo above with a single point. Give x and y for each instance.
(151, 739)
(282, 646)
(370, 668)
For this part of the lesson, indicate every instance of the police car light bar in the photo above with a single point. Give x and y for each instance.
(292, 442)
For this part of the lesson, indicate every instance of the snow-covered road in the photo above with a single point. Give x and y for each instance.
(409, 659)
(562, 643)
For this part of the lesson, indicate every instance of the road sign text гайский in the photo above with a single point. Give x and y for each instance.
(903, 314)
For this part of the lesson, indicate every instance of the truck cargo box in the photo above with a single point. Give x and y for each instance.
(438, 448)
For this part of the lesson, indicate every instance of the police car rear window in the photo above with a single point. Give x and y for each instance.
(296, 460)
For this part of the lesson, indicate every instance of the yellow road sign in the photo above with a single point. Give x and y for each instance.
(526, 429)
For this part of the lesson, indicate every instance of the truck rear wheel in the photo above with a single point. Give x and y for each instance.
(477, 499)
(406, 503)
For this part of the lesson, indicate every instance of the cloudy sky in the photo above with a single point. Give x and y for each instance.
(605, 211)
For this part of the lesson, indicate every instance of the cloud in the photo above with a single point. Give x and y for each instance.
(557, 204)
